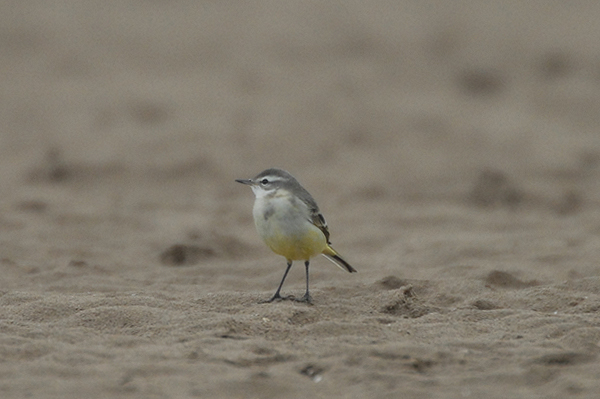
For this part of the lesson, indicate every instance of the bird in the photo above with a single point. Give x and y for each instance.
(289, 221)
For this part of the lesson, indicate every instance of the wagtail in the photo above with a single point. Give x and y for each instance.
(289, 221)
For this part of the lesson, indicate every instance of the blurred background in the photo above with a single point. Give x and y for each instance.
(159, 105)
(453, 146)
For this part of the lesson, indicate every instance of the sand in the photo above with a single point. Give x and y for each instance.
(452, 146)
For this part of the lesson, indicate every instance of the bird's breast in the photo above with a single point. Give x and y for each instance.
(283, 223)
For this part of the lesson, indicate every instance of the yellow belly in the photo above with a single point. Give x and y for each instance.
(301, 247)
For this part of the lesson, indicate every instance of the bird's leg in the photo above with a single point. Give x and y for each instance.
(277, 294)
(306, 298)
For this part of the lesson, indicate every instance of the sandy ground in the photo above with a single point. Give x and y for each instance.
(453, 147)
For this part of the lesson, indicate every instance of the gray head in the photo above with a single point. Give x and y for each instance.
(270, 180)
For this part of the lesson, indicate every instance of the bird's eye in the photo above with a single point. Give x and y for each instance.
(264, 181)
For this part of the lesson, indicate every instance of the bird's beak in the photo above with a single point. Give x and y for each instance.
(244, 181)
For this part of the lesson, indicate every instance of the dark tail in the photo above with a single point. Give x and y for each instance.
(333, 256)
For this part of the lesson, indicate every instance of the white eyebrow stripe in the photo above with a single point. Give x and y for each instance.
(272, 178)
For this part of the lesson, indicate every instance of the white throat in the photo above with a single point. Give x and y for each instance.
(260, 192)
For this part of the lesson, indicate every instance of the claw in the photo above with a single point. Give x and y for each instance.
(278, 298)
(306, 299)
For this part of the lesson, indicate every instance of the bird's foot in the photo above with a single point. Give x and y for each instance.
(278, 298)
(306, 299)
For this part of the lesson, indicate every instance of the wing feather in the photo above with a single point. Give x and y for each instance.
(318, 220)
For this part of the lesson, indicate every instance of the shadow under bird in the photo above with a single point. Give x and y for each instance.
(289, 221)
